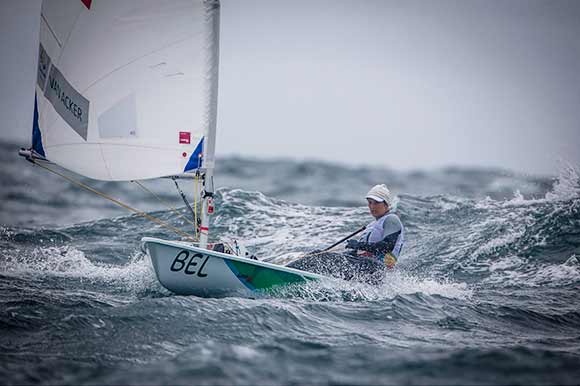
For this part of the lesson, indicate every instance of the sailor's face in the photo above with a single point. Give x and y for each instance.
(377, 209)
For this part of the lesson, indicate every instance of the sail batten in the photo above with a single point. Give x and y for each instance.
(127, 89)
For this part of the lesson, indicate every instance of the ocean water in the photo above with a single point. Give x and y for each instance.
(486, 291)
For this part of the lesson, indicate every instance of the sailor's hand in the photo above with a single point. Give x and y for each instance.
(352, 244)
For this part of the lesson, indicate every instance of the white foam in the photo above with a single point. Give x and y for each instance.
(567, 185)
(396, 283)
(555, 275)
(512, 221)
(566, 188)
(244, 352)
(447, 206)
(135, 277)
(291, 228)
(524, 273)
(512, 234)
(401, 283)
(507, 263)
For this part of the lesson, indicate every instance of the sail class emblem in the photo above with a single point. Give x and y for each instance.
(185, 137)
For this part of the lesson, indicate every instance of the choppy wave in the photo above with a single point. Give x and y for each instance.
(486, 290)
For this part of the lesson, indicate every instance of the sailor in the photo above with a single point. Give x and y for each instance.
(383, 238)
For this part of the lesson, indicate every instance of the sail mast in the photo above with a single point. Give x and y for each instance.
(213, 9)
(118, 101)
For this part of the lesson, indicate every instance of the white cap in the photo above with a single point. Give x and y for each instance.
(380, 193)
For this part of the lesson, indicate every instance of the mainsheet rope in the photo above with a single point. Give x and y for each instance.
(121, 204)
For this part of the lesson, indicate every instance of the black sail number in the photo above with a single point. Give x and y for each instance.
(190, 263)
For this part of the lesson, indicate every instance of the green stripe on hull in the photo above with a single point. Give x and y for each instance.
(261, 278)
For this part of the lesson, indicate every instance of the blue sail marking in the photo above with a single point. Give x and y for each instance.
(195, 161)
(36, 134)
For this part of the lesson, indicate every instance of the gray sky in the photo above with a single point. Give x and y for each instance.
(405, 84)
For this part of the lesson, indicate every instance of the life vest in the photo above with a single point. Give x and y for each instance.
(375, 232)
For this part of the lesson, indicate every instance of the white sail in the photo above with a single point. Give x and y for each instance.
(127, 89)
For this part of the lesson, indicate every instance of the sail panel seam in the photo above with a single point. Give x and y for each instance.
(103, 77)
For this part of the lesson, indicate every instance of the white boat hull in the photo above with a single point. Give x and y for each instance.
(188, 270)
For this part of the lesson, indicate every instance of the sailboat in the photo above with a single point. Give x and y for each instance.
(127, 91)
